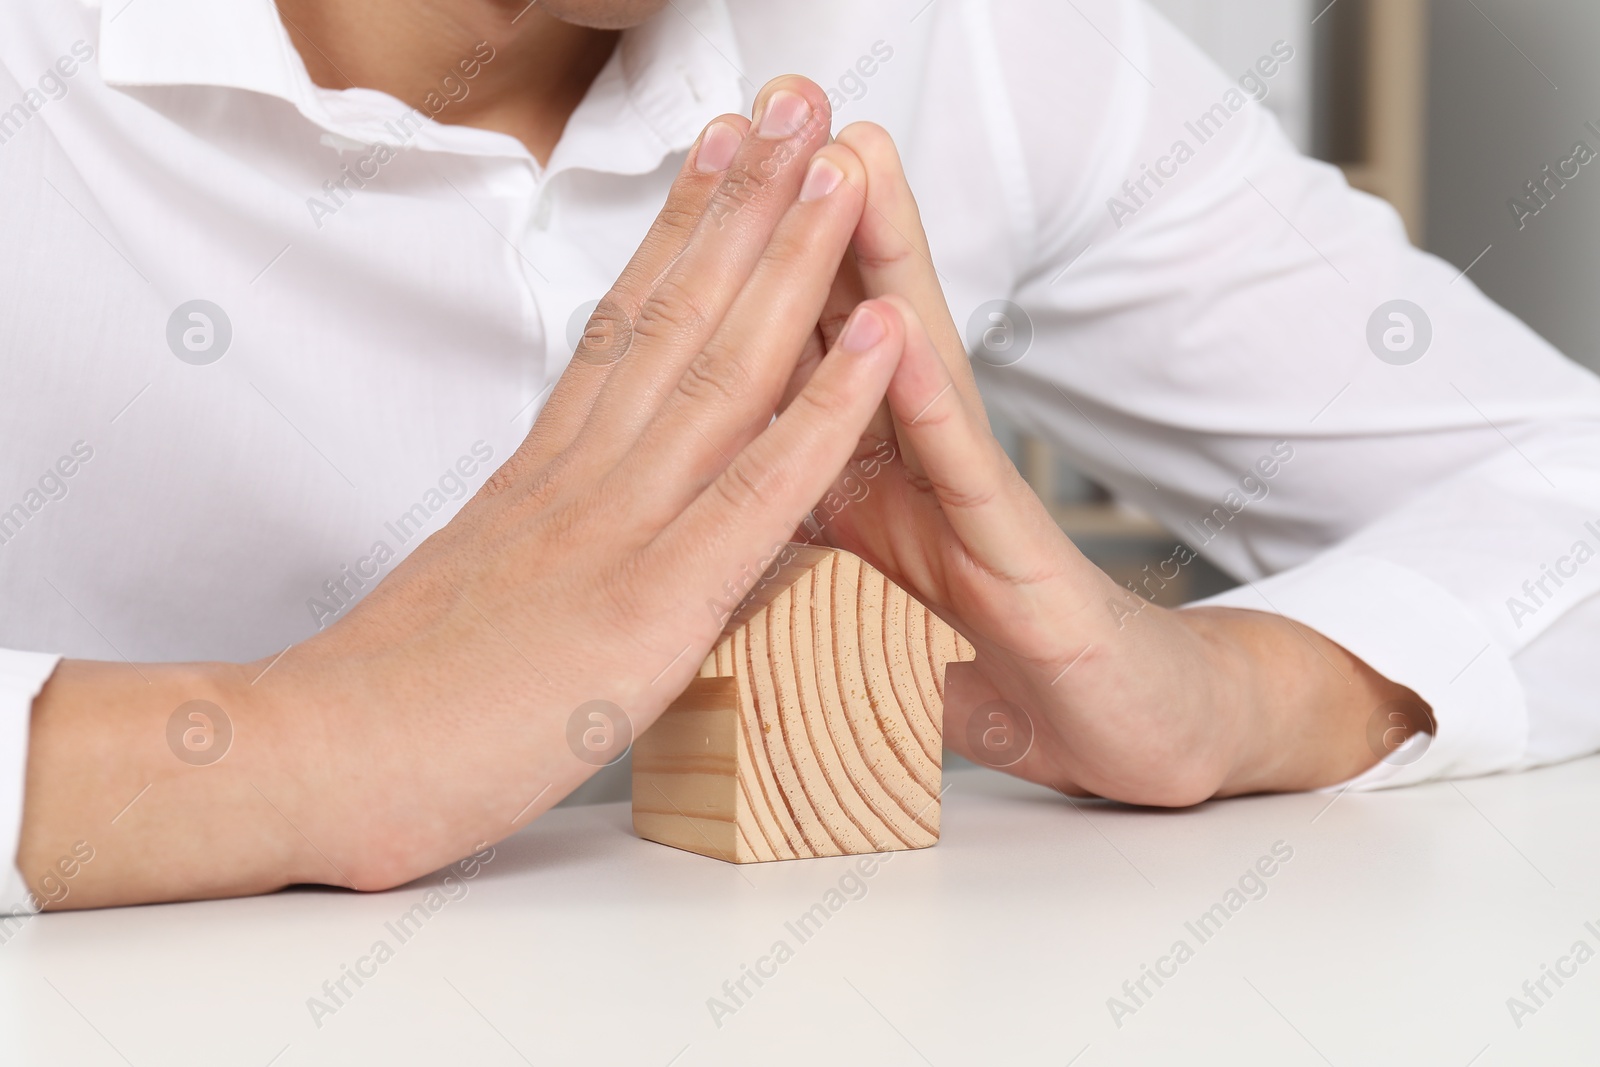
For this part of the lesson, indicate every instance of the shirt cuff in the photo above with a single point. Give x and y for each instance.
(1414, 632)
(22, 675)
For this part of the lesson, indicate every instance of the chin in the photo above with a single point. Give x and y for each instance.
(602, 14)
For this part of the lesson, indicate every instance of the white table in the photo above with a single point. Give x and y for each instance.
(1394, 935)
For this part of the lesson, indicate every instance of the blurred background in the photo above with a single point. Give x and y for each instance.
(1445, 108)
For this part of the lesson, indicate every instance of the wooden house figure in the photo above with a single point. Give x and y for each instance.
(815, 727)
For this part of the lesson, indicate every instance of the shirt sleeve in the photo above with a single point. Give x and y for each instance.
(1229, 337)
(22, 675)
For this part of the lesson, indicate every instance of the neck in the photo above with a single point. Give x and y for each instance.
(431, 55)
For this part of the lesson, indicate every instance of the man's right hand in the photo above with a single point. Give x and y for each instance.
(436, 715)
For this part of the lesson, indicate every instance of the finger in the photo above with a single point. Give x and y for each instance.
(753, 506)
(892, 253)
(610, 326)
(691, 300)
(891, 249)
(848, 291)
(999, 520)
(727, 394)
(843, 298)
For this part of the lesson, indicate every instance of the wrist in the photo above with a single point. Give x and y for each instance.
(1303, 707)
(1183, 683)
(372, 793)
(1243, 723)
(315, 778)
(270, 764)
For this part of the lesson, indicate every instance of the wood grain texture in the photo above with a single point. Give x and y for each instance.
(814, 729)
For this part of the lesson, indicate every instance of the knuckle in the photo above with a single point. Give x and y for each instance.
(542, 489)
(673, 312)
(743, 184)
(682, 213)
(885, 254)
(938, 414)
(961, 499)
(668, 235)
(822, 400)
(916, 481)
(513, 473)
(875, 447)
(608, 333)
(714, 378)
(522, 486)
(793, 253)
(743, 488)
(499, 483)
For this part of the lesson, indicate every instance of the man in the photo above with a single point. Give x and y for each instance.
(285, 288)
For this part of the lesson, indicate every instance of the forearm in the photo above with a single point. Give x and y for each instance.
(1310, 714)
(162, 821)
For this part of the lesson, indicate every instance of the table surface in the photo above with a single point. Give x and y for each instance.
(1394, 932)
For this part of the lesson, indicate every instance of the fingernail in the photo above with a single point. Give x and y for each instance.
(717, 147)
(823, 178)
(864, 330)
(786, 113)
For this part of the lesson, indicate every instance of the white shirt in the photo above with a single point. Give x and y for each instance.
(392, 339)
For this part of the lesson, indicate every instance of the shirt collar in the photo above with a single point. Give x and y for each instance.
(667, 78)
(239, 44)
